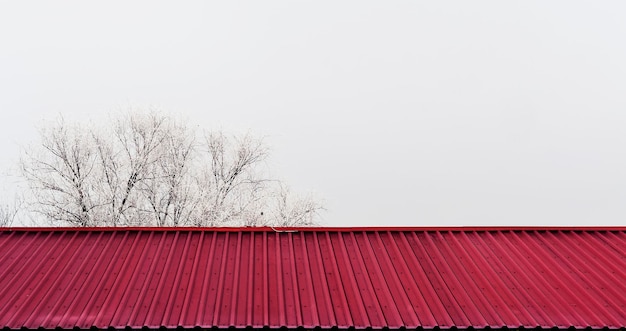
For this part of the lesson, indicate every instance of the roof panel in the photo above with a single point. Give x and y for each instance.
(321, 277)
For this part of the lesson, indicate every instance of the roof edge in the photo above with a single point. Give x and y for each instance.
(326, 229)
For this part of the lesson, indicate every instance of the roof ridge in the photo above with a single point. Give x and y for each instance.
(329, 229)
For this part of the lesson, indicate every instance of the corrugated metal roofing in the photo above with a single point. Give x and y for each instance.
(328, 278)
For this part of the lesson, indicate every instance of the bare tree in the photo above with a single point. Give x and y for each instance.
(9, 211)
(60, 175)
(169, 189)
(129, 159)
(293, 210)
(149, 169)
(230, 186)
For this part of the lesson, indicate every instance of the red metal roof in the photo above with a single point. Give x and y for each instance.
(323, 277)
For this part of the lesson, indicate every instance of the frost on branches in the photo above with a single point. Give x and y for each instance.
(147, 169)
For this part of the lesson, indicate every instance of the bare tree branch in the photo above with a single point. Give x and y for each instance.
(9, 211)
(149, 169)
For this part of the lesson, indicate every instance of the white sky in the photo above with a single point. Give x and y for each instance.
(395, 112)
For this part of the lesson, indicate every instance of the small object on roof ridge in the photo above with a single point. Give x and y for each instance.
(271, 227)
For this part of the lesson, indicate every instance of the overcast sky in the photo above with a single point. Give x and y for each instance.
(395, 112)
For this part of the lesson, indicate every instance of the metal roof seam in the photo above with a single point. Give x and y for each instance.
(393, 262)
(616, 276)
(308, 271)
(381, 289)
(232, 277)
(193, 282)
(265, 282)
(6, 290)
(184, 306)
(403, 304)
(294, 280)
(236, 278)
(527, 292)
(444, 272)
(58, 284)
(543, 287)
(600, 256)
(340, 291)
(140, 289)
(435, 307)
(142, 267)
(173, 299)
(6, 240)
(417, 300)
(202, 305)
(621, 242)
(43, 289)
(219, 295)
(563, 294)
(374, 313)
(618, 253)
(98, 320)
(8, 274)
(586, 299)
(282, 318)
(535, 282)
(483, 310)
(350, 279)
(483, 279)
(356, 270)
(323, 282)
(251, 309)
(240, 282)
(560, 294)
(163, 278)
(249, 306)
(76, 284)
(462, 274)
(489, 271)
(18, 301)
(80, 321)
(284, 290)
(10, 247)
(434, 279)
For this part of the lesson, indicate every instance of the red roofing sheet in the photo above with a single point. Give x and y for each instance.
(328, 278)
